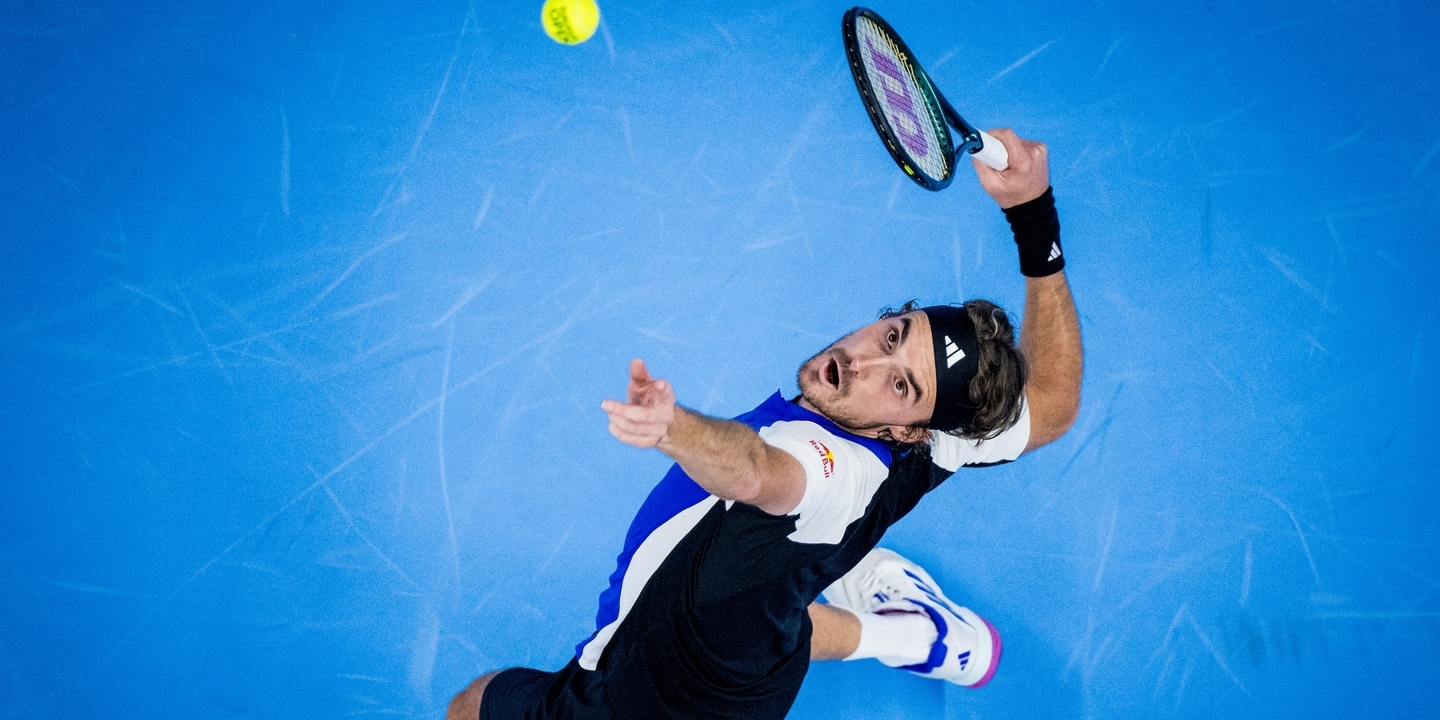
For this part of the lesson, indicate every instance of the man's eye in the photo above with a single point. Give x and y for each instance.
(892, 338)
(900, 388)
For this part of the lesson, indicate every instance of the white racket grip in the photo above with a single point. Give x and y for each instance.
(992, 152)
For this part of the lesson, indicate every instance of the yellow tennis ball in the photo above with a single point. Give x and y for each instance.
(570, 22)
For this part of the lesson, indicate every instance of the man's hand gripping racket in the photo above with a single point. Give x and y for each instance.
(1027, 176)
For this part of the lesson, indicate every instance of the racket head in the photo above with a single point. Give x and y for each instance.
(903, 104)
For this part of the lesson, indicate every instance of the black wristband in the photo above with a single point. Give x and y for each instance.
(1037, 233)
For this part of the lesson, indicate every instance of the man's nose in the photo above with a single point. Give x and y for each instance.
(864, 365)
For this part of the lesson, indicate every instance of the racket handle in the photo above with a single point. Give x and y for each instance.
(992, 152)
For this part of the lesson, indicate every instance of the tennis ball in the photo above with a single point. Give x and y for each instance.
(570, 22)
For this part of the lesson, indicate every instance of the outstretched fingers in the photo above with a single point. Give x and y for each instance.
(635, 413)
(638, 372)
(641, 383)
(641, 426)
(640, 436)
(645, 419)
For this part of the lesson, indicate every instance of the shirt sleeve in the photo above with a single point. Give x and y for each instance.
(841, 477)
(953, 453)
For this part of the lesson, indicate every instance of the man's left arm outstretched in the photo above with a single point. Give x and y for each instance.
(725, 457)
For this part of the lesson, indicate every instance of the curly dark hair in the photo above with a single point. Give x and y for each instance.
(999, 385)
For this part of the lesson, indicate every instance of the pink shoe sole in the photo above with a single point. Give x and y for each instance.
(994, 655)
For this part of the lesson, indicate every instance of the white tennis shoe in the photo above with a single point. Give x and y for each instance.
(967, 648)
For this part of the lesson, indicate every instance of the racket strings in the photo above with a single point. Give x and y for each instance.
(911, 116)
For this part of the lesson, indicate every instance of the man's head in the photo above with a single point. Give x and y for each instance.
(881, 380)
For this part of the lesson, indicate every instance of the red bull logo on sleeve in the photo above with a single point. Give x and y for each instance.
(827, 458)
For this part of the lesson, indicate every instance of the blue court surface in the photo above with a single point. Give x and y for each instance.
(308, 310)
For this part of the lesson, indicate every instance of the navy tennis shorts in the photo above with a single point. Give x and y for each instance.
(525, 694)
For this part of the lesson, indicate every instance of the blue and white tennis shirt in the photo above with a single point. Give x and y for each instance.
(710, 596)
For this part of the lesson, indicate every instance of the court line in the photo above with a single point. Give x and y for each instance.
(1028, 57)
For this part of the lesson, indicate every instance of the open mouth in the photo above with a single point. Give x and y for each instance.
(831, 373)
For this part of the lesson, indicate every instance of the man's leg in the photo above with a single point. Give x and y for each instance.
(466, 703)
(896, 639)
(836, 633)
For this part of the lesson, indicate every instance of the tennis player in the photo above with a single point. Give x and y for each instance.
(711, 611)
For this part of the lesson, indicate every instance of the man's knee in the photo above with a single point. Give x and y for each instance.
(466, 703)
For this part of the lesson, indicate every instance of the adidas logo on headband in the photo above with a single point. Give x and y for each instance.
(957, 355)
(953, 354)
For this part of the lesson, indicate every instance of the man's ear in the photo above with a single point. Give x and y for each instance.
(908, 434)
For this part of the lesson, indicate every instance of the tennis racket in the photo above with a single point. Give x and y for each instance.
(907, 109)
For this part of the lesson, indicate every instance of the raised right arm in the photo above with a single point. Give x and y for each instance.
(1050, 334)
